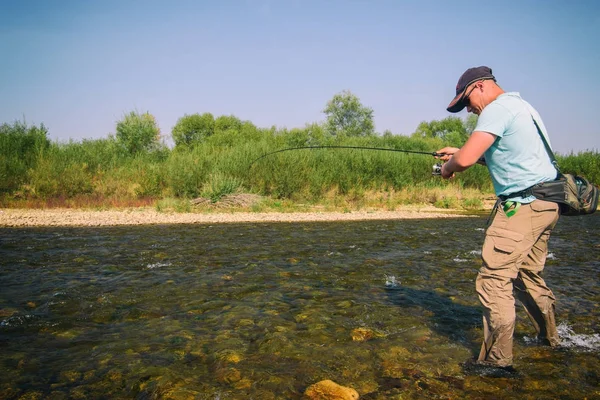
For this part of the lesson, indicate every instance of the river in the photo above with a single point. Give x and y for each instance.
(263, 310)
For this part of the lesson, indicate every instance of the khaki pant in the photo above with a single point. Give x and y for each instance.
(514, 253)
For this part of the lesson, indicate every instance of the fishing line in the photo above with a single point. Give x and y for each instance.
(436, 168)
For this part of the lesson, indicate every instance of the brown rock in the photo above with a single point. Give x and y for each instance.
(363, 334)
(329, 390)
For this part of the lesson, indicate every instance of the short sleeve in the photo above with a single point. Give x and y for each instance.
(494, 119)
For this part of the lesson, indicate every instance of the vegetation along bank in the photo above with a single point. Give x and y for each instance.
(211, 161)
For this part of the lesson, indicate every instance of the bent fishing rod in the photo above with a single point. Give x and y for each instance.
(437, 168)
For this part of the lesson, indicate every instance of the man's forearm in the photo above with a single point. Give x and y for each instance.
(455, 163)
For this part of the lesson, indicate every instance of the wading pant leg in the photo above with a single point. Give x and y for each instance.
(496, 295)
(507, 246)
(530, 289)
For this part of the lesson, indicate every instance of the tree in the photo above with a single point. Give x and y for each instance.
(471, 123)
(451, 130)
(192, 129)
(347, 116)
(138, 132)
(227, 122)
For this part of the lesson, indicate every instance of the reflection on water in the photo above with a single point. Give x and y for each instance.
(261, 311)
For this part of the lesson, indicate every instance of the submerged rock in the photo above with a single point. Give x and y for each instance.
(364, 334)
(344, 304)
(228, 375)
(230, 356)
(329, 390)
(7, 312)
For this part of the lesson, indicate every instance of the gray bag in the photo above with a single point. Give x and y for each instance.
(574, 194)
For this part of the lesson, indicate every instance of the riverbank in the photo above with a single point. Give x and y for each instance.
(149, 216)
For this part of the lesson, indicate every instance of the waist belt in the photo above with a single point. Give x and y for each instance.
(523, 193)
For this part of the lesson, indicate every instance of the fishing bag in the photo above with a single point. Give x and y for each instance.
(574, 194)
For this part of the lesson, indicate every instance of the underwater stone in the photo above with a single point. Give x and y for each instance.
(245, 322)
(89, 375)
(33, 395)
(180, 393)
(56, 395)
(228, 375)
(78, 392)
(70, 376)
(7, 312)
(344, 304)
(229, 356)
(114, 375)
(364, 334)
(243, 383)
(329, 390)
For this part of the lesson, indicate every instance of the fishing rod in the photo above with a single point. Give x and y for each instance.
(437, 168)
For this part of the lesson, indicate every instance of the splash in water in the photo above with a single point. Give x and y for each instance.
(158, 265)
(390, 281)
(570, 339)
(574, 340)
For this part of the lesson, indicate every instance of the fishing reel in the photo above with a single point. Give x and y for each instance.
(437, 169)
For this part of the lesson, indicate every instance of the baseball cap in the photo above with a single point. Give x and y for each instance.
(471, 75)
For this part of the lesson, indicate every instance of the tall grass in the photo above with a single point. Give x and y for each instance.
(586, 163)
(100, 170)
(20, 147)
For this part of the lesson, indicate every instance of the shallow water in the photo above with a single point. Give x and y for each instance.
(261, 311)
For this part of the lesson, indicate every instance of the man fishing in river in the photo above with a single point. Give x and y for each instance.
(507, 140)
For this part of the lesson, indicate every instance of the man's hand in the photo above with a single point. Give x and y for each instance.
(447, 151)
(446, 174)
(457, 160)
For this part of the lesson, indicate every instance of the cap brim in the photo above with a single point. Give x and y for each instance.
(457, 104)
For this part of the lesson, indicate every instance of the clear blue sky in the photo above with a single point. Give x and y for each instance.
(78, 66)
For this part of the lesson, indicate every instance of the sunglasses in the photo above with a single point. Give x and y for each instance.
(466, 97)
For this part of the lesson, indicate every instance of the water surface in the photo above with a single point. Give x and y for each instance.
(261, 311)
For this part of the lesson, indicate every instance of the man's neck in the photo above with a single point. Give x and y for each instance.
(495, 92)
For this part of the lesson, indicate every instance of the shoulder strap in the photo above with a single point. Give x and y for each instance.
(546, 145)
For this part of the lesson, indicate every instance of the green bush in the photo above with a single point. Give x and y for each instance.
(148, 175)
(20, 148)
(186, 172)
(586, 164)
(138, 132)
(219, 185)
(190, 130)
(58, 176)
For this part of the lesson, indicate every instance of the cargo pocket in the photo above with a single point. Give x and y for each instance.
(542, 205)
(501, 249)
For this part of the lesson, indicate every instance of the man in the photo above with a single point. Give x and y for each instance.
(516, 243)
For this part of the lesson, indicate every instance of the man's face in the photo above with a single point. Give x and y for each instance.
(474, 98)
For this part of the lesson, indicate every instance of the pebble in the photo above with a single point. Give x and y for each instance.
(144, 216)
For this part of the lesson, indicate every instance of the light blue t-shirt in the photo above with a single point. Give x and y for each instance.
(518, 159)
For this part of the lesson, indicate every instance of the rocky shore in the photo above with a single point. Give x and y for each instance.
(147, 216)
